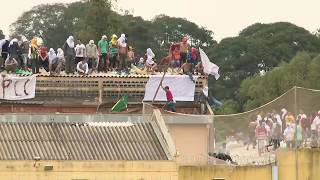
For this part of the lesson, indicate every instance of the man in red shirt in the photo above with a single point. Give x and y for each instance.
(171, 104)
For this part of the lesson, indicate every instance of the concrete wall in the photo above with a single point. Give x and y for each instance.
(292, 165)
(191, 141)
(225, 172)
(299, 165)
(89, 170)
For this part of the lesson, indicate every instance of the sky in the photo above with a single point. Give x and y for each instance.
(226, 18)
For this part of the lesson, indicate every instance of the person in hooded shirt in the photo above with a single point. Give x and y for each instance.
(54, 62)
(11, 64)
(61, 57)
(151, 65)
(14, 51)
(69, 52)
(24, 52)
(33, 56)
(113, 52)
(43, 55)
(4, 50)
(123, 50)
(92, 55)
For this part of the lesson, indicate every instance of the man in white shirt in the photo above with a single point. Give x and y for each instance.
(83, 68)
(80, 51)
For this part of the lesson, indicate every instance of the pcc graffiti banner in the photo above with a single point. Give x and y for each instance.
(14, 87)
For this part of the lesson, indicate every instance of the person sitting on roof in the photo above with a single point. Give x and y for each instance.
(151, 65)
(199, 68)
(82, 67)
(11, 64)
(186, 68)
(141, 63)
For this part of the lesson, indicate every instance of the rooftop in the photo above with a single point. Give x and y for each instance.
(138, 140)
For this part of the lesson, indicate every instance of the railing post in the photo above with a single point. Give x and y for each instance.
(100, 86)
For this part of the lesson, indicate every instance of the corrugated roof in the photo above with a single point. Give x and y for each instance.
(70, 141)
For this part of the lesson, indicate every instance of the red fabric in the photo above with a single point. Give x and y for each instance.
(261, 132)
(194, 53)
(169, 95)
(43, 51)
(175, 51)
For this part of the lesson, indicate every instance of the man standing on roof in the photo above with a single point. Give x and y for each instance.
(171, 104)
(184, 49)
(123, 51)
(113, 49)
(103, 47)
(69, 53)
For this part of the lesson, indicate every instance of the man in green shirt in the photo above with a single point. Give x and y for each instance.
(103, 47)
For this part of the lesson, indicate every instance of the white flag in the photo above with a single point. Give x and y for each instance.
(209, 67)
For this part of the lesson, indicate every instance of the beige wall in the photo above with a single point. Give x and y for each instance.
(191, 141)
(226, 172)
(292, 165)
(91, 170)
(299, 165)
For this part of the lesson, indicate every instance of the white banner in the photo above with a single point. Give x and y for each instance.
(17, 88)
(181, 86)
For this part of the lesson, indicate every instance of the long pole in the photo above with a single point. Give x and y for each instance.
(296, 133)
(165, 71)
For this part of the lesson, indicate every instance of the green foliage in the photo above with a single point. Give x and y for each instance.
(302, 70)
(228, 107)
(259, 47)
(1, 34)
(91, 19)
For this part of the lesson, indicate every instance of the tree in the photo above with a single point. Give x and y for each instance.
(302, 70)
(90, 19)
(46, 21)
(170, 29)
(258, 48)
(97, 21)
(1, 34)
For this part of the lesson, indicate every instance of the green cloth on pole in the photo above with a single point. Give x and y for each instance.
(121, 104)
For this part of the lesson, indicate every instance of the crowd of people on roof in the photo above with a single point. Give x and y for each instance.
(108, 55)
(284, 130)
